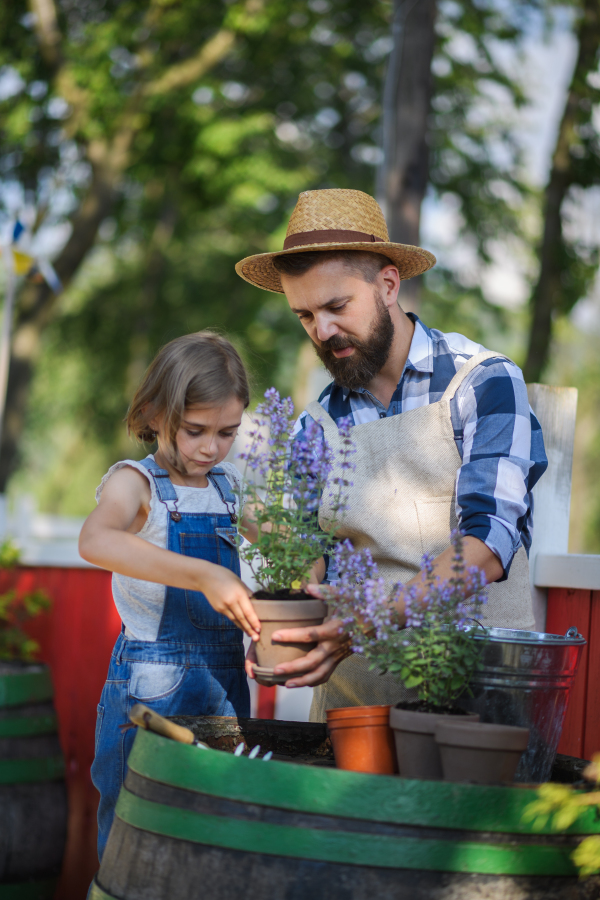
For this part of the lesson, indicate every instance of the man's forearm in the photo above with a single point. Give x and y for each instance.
(475, 553)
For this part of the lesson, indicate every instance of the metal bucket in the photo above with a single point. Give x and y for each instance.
(525, 679)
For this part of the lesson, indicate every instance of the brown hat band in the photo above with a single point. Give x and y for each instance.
(304, 238)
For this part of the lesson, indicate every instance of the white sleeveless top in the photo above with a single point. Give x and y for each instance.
(140, 603)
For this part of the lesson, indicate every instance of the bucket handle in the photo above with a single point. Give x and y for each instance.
(479, 624)
(572, 632)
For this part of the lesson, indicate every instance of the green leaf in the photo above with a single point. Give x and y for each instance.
(412, 681)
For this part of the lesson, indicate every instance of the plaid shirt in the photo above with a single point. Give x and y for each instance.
(497, 435)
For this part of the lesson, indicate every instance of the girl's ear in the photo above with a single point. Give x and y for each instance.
(154, 423)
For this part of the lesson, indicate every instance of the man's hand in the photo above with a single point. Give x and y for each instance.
(333, 645)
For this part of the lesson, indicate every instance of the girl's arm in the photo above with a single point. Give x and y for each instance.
(108, 540)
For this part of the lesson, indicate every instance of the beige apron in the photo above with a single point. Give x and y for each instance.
(402, 505)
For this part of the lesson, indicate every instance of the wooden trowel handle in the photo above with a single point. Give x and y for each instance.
(144, 717)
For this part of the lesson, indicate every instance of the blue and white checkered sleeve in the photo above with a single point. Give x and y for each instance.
(497, 473)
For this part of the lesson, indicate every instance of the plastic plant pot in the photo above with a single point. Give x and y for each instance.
(417, 753)
(362, 739)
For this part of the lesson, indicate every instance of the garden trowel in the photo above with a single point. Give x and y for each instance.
(144, 717)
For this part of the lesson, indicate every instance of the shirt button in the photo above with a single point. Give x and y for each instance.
(382, 415)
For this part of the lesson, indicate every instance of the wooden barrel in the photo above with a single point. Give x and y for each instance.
(203, 823)
(33, 802)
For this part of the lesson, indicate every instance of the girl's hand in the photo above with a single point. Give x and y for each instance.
(228, 595)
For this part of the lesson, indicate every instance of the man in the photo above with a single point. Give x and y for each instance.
(443, 429)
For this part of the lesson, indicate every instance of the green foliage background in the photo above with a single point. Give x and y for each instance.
(214, 169)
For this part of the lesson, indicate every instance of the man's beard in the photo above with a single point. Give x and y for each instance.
(369, 356)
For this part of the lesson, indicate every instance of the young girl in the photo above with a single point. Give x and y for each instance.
(171, 520)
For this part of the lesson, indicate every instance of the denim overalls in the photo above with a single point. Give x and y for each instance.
(196, 665)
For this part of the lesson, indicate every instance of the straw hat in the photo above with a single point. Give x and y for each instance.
(335, 220)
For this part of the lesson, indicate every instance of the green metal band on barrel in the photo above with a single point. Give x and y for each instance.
(359, 849)
(25, 687)
(333, 792)
(21, 771)
(26, 726)
(29, 890)
(96, 893)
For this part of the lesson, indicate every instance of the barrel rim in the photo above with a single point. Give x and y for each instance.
(25, 771)
(349, 847)
(520, 636)
(354, 795)
(28, 726)
(20, 688)
(40, 889)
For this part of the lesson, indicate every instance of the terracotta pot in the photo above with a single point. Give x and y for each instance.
(416, 750)
(276, 614)
(480, 753)
(362, 739)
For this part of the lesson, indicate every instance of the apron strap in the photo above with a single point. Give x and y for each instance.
(329, 425)
(467, 368)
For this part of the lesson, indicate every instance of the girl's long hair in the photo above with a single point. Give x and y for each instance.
(201, 369)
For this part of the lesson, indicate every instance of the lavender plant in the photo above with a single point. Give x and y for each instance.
(439, 653)
(295, 472)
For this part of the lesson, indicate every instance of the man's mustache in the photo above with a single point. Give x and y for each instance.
(337, 342)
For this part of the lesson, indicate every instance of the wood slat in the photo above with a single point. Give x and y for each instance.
(566, 608)
(591, 743)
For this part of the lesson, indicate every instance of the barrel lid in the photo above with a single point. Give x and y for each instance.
(515, 636)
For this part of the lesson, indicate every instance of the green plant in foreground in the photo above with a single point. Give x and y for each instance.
(561, 806)
(15, 643)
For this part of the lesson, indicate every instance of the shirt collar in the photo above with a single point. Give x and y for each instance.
(420, 353)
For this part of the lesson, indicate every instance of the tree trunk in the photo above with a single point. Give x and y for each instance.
(553, 258)
(404, 173)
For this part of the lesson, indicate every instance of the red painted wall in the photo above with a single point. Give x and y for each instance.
(568, 607)
(76, 638)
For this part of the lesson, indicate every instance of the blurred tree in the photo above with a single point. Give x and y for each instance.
(447, 101)
(568, 266)
(169, 139)
(403, 175)
(169, 121)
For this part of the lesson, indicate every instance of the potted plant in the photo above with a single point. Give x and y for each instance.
(435, 654)
(284, 479)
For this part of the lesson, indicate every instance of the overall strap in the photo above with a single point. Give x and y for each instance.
(220, 481)
(164, 487)
(327, 423)
(222, 484)
(467, 368)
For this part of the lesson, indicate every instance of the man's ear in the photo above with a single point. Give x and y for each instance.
(389, 284)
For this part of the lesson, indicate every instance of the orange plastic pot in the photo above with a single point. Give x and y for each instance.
(362, 739)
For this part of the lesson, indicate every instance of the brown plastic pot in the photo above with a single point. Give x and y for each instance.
(479, 752)
(362, 739)
(414, 735)
(276, 614)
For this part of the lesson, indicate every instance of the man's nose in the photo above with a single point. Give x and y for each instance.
(325, 328)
